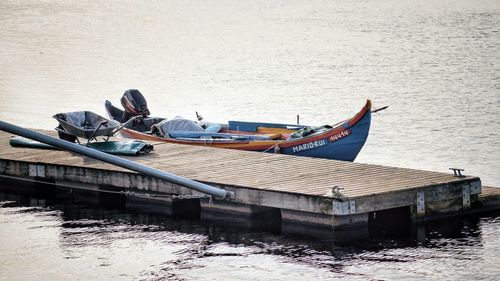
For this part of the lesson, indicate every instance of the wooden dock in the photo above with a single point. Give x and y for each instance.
(292, 189)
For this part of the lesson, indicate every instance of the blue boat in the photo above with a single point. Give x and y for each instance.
(342, 141)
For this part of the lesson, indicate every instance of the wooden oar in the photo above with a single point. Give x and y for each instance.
(373, 111)
(380, 109)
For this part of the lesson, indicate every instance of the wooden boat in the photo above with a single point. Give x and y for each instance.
(342, 141)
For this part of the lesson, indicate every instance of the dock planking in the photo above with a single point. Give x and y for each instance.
(301, 185)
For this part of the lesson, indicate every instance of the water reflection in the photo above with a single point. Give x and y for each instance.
(157, 247)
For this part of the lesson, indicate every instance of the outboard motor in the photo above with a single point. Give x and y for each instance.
(134, 104)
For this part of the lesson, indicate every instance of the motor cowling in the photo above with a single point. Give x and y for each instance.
(134, 103)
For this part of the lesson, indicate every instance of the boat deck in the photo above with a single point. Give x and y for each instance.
(303, 188)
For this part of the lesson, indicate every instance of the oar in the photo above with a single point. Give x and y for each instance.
(124, 124)
(373, 111)
(379, 109)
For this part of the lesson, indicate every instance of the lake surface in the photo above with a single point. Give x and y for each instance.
(435, 63)
(47, 239)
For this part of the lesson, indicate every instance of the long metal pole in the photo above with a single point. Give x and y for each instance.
(115, 160)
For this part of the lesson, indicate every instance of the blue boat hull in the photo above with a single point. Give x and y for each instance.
(342, 141)
(344, 144)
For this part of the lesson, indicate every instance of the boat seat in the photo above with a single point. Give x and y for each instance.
(253, 126)
(190, 134)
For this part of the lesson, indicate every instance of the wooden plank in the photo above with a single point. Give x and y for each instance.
(273, 172)
(490, 191)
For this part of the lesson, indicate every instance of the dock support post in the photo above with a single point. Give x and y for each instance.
(420, 204)
(36, 170)
(465, 197)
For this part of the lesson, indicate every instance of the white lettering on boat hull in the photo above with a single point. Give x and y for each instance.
(319, 143)
(339, 136)
(309, 145)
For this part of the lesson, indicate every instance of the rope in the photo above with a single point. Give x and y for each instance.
(278, 143)
(337, 194)
(126, 193)
(209, 141)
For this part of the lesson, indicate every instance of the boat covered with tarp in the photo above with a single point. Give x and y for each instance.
(341, 141)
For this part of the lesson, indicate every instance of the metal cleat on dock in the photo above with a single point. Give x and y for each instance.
(335, 192)
(457, 172)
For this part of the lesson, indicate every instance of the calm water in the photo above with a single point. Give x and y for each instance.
(435, 63)
(43, 239)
